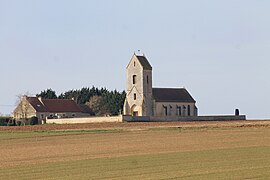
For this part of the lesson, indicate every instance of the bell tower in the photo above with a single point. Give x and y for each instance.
(139, 87)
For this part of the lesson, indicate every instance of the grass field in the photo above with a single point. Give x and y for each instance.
(138, 153)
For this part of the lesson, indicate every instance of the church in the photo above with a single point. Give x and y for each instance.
(144, 100)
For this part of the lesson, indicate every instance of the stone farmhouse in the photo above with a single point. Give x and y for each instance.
(144, 100)
(49, 108)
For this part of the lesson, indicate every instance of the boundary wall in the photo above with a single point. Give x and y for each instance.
(188, 118)
(85, 120)
(143, 119)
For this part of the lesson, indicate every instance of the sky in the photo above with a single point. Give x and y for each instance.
(218, 50)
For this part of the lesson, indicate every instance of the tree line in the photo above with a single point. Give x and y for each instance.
(102, 101)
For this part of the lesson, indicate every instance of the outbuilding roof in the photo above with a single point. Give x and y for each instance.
(172, 95)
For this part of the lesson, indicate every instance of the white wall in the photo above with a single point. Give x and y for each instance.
(85, 120)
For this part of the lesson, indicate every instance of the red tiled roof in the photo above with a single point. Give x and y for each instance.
(53, 105)
(37, 105)
(60, 105)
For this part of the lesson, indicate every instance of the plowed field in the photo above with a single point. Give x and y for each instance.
(178, 150)
(138, 125)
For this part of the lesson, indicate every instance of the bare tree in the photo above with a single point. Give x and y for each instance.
(22, 110)
(98, 106)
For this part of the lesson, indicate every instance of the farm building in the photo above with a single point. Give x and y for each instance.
(49, 108)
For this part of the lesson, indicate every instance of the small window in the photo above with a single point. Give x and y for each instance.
(73, 115)
(134, 79)
(147, 79)
(179, 113)
(42, 116)
(135, 96)
(165, 108)
(134, 63)
(188, 110)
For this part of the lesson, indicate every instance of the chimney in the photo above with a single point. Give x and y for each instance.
(40, 100)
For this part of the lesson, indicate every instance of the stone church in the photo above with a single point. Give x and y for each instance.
(144, 100)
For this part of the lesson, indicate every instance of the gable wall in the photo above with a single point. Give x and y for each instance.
(24, 110)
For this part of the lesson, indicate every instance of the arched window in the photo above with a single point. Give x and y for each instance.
(188, 110)
(134, 63)
(134, 79)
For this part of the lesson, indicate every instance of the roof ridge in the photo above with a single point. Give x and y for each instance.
(168, 88)
(59, 99)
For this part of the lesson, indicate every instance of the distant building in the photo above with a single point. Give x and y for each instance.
(144, 100)
(49, 108)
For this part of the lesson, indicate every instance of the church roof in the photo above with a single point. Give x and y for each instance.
(144, 62)
(172, 95)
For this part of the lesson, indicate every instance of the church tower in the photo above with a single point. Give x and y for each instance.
(139, 87)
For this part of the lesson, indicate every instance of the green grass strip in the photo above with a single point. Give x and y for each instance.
(234, 163)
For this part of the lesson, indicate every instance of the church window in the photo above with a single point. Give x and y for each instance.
(165, 110)
(134, 63)
(135, 96)
(179, 113)
(188, 110)
(134, 79)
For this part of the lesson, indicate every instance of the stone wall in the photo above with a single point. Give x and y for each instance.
(143, 119)
(190, 118)
(85, 120)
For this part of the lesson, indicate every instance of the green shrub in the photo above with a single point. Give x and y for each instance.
(19, 123)
(33, 120)
(3, 121)
(11, 122)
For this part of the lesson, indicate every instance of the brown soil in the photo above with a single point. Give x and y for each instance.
(36, 150)
(137, 125)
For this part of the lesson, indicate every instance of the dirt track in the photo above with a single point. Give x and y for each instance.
(137, 125)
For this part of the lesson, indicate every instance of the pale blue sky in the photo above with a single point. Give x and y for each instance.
(218, 50)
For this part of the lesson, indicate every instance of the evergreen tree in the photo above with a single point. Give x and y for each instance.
(114, 100)
(47, 94)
